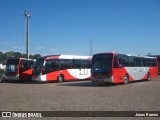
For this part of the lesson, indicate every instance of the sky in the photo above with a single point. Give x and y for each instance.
(68, 26)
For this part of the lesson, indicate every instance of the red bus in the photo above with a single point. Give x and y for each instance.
(62, 67)
(18, 69)
(123, 68)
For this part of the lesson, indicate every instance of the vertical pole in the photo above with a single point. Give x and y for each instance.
(91, 48)
(27, 39)
(27, 16)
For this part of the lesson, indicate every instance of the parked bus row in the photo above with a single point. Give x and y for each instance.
(106, 67)
(18, 69)
(49, 68)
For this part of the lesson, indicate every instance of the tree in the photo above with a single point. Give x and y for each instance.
(31, 56)
(11, 55)
(8, 55)
(1, 55)
(37, 56)
(17, 55)
(24, 56)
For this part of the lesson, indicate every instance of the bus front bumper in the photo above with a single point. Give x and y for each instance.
(10, 78)
(39, 78)
(110, 80)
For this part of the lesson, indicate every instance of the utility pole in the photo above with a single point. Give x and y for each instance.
(27, 16)
(91, 48)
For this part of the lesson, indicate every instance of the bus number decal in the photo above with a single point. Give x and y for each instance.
(83, 72)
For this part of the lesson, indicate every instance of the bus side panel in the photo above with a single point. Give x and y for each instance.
(26, 75)
(138, 73)
(153, 72)
(118, 74)
(70, 74)
(80, 73)
(53, 75)
(76, 74)
(145, 77)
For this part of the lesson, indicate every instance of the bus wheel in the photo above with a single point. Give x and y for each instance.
(148, 76)
(126, 79)
(60, 78)
(2, 80)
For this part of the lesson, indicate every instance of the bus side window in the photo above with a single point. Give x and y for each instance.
(124, 61)
(148, 62)
(131, 61)
(116, 62)
(153, 62)
(138, 63)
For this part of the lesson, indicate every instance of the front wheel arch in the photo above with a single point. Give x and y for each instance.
(60, 78)
(125, 79)
(148, 76)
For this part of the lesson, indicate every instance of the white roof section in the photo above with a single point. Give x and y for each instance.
(68, 57)
(140, 56)
(74, 57)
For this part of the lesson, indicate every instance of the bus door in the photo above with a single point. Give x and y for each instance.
(117, 70)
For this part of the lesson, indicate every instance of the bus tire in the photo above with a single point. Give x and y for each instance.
(126, 79)
(148, 76)
(60, 78)
(3, 79)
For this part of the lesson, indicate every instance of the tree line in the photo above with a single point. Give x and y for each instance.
(11, 55)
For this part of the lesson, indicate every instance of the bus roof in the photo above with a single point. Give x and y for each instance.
(144, 56)
(20, 59)
(158, 56)
(65, 57)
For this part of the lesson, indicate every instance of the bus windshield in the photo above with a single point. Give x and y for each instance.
(102, 63)
(12, 66)
(38, 65)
